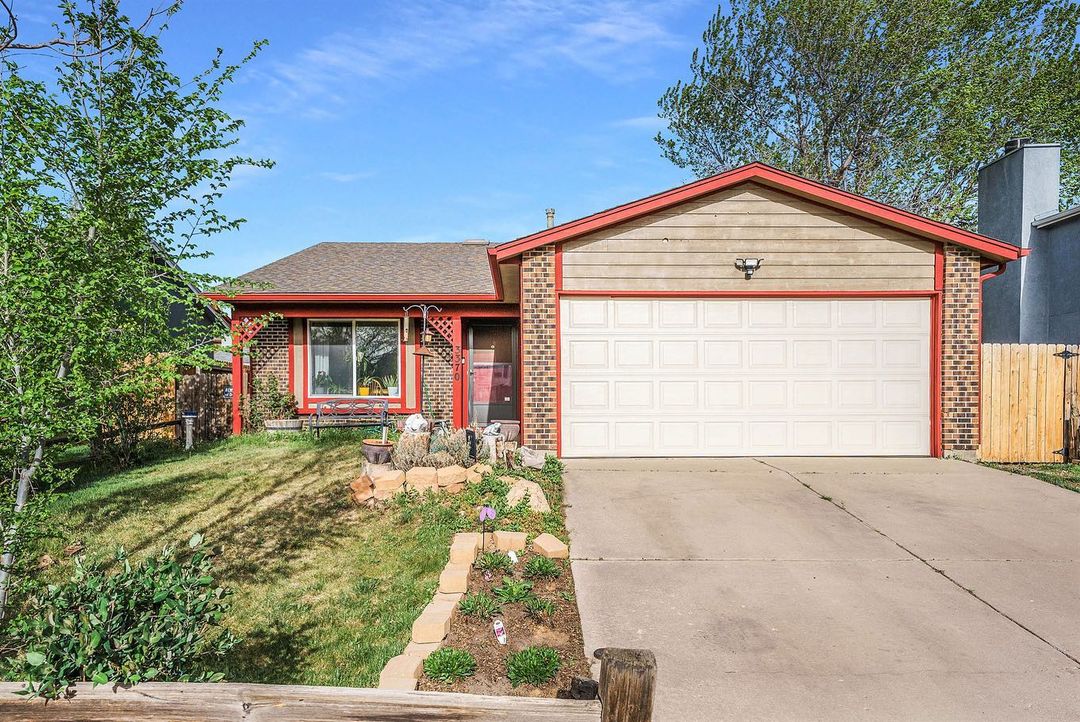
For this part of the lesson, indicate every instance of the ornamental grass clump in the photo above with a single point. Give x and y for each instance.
(533, 665)
(541, 568)
(513, 590)
(449, 665)
(480, 605)
(494, 562)
(539, 609)
(156, 620)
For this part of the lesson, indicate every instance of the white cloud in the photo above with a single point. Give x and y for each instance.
(613, 39)
(646, 122)
(346, 177)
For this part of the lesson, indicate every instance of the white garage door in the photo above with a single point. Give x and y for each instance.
(719, 377)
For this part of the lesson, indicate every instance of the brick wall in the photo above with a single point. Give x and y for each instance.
(438, 380)
(538, 304)
(960, 353)
(270, 353)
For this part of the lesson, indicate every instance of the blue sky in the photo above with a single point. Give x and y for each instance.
(432, 120)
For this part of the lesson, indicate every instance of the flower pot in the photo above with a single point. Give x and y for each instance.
(510, 428)
(284, 425)
(377, 452)
(363, 391)
(392, 391)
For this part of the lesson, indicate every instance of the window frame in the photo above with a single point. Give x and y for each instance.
(309, 360)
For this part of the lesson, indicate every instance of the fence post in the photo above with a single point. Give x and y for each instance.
(627, 684)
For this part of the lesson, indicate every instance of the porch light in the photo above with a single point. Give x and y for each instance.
(425, 335)
(748, 265)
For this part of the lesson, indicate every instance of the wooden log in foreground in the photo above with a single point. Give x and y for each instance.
(230, 702)
(627, 684)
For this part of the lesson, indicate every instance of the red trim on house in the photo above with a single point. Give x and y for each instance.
(936, 321)
(466, 311)
(935, 297)
(775, 178)
(237, 383)
(256, 297)
(558, 347)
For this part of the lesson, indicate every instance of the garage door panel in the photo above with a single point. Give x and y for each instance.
(652, 377)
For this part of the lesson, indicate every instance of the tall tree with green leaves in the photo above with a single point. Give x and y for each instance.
(898, 100)
(111, 168)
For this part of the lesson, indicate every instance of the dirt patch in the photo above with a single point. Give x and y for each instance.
(562, 632)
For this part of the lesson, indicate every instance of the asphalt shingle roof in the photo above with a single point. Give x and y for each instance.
(379, 268)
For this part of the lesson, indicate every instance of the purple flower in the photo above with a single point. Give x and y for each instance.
(486, 513)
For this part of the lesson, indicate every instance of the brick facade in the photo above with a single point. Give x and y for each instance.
(438, 380)
(960, 352)
(270, 353)
(538, 333)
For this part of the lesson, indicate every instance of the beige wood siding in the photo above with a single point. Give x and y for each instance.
(806, 246)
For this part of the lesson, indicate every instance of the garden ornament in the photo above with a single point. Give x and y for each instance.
(416, 423)
(486, 514)
(500, 631)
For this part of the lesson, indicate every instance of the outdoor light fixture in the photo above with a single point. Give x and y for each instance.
(425, 335)
(748, 265)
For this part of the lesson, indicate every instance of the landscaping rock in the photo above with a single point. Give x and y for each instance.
(423, 651)
(373, 470)
(450, 599)
(422, 477)
(451, 476)
(363, 483)
(547, 545)
(365, 497)
(481, 469)
(462, 552)
(537, 500)
(454, 578)
(432, 624)
(471, 477)
(468, 537)
(389, 482)
(401, 672)
(506, 541)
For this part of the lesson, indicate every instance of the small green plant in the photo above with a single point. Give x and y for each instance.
(494, 562)
(533, 665)
(449, 664)
(567, 596)
(542, 568)
(540, 609)
(480, 605)
(156, 620)
(513, 590)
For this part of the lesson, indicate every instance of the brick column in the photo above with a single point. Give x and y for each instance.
(438, 377)
(270, 353)
(538, 330)
(960, 353)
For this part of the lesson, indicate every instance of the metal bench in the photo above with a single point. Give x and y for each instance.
(352, 414)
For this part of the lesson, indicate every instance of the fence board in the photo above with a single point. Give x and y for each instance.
(227, 702)
(1027, 394)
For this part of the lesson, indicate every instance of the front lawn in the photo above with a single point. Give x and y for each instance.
(1066, 476)
(325, 592)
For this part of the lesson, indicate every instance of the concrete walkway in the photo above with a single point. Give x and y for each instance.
(833, 588)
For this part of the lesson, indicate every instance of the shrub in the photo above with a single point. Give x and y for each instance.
(540, 609)
(267, 401)
(156, 620)
(479, 605)
(449, 664)
(542, 568)
(438, 459)
(535, 665)
(409, 451)
(457, 446)
(513, 590)
(493, 562)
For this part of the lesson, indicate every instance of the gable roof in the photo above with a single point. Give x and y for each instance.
(775, 178)
(377, 269)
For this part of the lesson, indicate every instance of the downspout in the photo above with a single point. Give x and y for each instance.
(993, 274)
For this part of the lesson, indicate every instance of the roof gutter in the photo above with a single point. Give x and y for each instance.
(1000, 269)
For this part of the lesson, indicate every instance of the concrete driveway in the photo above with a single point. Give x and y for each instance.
(833, 588)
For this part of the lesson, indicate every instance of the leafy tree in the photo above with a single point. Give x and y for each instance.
(899, 100)
(110, 172)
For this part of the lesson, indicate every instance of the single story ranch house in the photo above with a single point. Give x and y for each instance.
(753, 312)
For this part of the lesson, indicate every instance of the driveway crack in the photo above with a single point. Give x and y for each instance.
(923, 560)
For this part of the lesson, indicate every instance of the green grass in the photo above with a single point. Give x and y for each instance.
(325, 593)
(1067, 476)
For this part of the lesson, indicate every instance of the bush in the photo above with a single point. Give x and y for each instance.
(494, 562)
(513, 590)
(437, 459)
(267, 401)
(409, 451)
(156, 620)
(540, 609)
(535, 665)
(542, 568)
(449, 664)
(479, 605)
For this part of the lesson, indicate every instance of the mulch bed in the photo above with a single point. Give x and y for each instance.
(562, 633)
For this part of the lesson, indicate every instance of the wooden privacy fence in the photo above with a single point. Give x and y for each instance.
(1030, 405)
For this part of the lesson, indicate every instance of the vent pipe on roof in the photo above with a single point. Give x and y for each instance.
(1016, 143)
(550, 217)
(475, 241)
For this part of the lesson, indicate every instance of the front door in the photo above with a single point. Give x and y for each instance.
(493, 386)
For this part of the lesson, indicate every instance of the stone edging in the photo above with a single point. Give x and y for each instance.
(431, 627)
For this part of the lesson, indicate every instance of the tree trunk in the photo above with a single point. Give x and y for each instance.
(22, 495)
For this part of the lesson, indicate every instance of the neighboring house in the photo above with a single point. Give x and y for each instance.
(1035, 300)
(632, 333)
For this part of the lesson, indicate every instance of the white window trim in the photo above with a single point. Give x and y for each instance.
(309, 382)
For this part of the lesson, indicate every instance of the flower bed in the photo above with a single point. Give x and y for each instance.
(473, 634)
